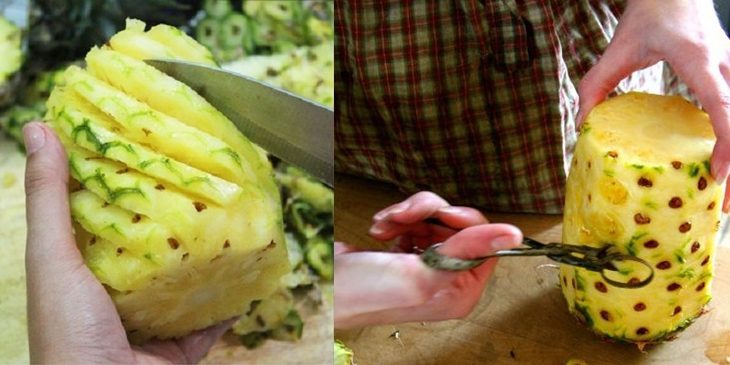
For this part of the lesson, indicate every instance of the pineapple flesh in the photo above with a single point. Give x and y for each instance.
(174, 210)
(640, 181)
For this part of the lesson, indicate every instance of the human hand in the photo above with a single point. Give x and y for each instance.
(71, 318)
(688, 36)
(381, 287)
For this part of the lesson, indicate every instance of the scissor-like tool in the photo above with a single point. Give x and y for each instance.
(604, 259)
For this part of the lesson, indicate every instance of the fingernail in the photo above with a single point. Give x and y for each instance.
(450, 210)
(720, 173)
(397, 209)
(375, 230)
(504, 242)
(34, 137)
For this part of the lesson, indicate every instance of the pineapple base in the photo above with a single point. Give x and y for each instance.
(581, 318)
(199, 294)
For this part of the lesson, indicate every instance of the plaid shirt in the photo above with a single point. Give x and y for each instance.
(472, 99)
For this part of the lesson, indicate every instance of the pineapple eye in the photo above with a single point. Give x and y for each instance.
(199, 206)
(675, 202)
(645, 182)
(685, 227)
(641, 219)
(702, 183)
(174, 244)
(606, 316)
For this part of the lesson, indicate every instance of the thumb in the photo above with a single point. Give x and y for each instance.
(50, 241)
(481, 240)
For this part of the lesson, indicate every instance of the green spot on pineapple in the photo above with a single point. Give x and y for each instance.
(690, 193)
(637, 166)
(113, 227)
(686, 273)
(585, 128)
(631, 245)
(112, 194)
(694, 169)
(583, 310)
(705, 275)
(94, 140)
(168, 165)
(75, 173)
(148, 256)
(230, 152)
(144, 113)
(706, 164)
(658, 169)
(580, 282)
(609, 173)
(650, 204)
(679, 255)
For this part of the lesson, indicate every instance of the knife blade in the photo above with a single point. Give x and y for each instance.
(290, 127)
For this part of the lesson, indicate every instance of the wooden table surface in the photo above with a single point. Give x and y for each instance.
(522, 317)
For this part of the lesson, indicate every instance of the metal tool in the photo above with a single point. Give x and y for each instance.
(292, 128)
(600, 260)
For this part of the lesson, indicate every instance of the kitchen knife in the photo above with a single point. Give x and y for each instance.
(292, 128)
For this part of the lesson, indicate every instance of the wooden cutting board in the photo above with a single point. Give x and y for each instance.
(522, 317)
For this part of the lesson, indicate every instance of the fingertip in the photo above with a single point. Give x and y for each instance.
(34, 137)
(384, 230)
(392, 210)
(481, 240)
(719, 164)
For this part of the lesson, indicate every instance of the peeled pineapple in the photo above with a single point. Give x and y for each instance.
(640, 181)
(175, 211)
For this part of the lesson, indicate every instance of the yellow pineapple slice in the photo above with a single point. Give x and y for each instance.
(175, 211)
